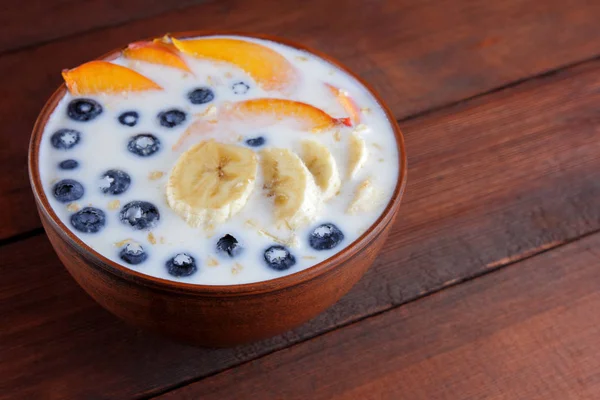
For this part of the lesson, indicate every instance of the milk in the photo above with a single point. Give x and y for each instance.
(103, 146)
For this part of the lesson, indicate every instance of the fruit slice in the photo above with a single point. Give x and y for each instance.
(321, 164)
(306, 116)
(357, 154)
(297, 198)
(104, 77)
(347, 102)
(266, 111)
(156, 53)
(366, 198)
(211, 182)
(267, 67)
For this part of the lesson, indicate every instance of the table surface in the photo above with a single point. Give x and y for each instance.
(488, 286)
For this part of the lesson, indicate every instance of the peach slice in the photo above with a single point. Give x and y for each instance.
(156, 53)
(307, 117)
(104, 77)
(267, 67)
(347, 102)
(266, 111)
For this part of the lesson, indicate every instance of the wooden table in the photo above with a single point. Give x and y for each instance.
(489, 285)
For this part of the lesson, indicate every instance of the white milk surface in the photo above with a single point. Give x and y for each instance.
(103, 146)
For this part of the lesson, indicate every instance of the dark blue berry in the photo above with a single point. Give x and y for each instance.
(279, 258)
(68, 164)
(171, 118)
(325, 237)
(133, 253)
(228, 244)
(83, 110)
(240, 88)
(143, 145)
(255, 142)
(64, 139)
(67, 190)
(139, 215)
(201, 95)
(114, 181)
(129, 118)
(181, 264)
(88, 220)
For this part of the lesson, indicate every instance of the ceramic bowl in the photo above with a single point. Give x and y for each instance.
(214, 315)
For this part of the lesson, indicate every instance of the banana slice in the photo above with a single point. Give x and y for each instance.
(211, 182)
(366, 198)
(297, 198)
(357, 154)
(321, 164)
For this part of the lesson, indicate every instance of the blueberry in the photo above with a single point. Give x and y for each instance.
(255, 142)
(129, 118)
(144, 144)
(65, 139)
(83, 110)
(279, 258)
(171, 118)
(88, 220)
(139, 215)
(228, 244)
(67, 190)
(114, 181)
(181, 265)
(325, 237)
(133, 253)
(201, 95)
(68, 164)
(240, 88)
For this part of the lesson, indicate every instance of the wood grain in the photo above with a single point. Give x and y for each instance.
(418, 55)
(30, 22)
(492, 180)
(528, 331)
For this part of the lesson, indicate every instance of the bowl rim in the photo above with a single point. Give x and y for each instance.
(275, 284)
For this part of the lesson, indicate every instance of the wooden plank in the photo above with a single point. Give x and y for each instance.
(492, 180)
(30, 22)
(419, 55)
(529, 331)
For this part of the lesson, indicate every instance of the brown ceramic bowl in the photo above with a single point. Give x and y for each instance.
(214, 315)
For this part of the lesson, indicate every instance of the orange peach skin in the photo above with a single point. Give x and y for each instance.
(268, 68)
(97, 77)
(347, 102)
(156, 53)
